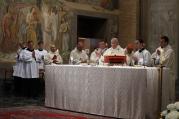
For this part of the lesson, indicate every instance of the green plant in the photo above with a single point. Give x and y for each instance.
(65, 55)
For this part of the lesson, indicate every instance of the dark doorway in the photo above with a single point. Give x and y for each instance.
(91, 27)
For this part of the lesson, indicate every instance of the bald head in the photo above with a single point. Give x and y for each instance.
(114, 43)
(53, 48)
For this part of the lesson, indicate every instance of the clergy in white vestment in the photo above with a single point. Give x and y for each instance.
(129, 53)
(41, 54)
(53, 56)
(30, 79)
(165, 56)
(115, 49)
(97, 53)
(18, 70)
(78, 55)
(142, 56)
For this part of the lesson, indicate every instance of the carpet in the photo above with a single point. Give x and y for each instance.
(36, 114)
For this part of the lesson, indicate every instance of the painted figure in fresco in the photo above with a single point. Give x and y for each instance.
(47, 33)
(64, 32)
(54, 24)
(22, 28)
(32, 20)
(10, 30)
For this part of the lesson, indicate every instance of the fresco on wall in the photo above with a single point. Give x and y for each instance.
(36, 20)
(13, 27)
(107, 4)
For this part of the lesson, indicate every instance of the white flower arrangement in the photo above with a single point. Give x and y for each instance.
(172, 111)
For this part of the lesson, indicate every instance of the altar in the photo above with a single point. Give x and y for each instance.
(114, 91)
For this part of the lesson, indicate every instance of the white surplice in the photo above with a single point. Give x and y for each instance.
(30, 65)
(41, 54)
(143, 56)
(19, 66)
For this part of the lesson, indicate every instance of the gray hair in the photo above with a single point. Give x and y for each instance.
(115, 40)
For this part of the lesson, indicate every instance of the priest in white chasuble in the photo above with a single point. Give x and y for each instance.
(115, 49)
(41, 54)
(142, 56)
(97, 53)
(30, 79)
(78, 55)
(165, 56)
(53, 57)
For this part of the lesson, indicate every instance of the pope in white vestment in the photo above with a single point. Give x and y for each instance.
(78, 55)
(115, 49)
(165, 56)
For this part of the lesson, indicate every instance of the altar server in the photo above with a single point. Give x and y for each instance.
(53, 57)
(78, 55)
(41, 54)
(18, 70)
(97, 53)
(30, 79)
(142, 56)
(165, 56)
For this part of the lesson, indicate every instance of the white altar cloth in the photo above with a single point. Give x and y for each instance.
(115, 91)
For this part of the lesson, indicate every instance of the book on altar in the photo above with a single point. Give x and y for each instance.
(115, 59)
